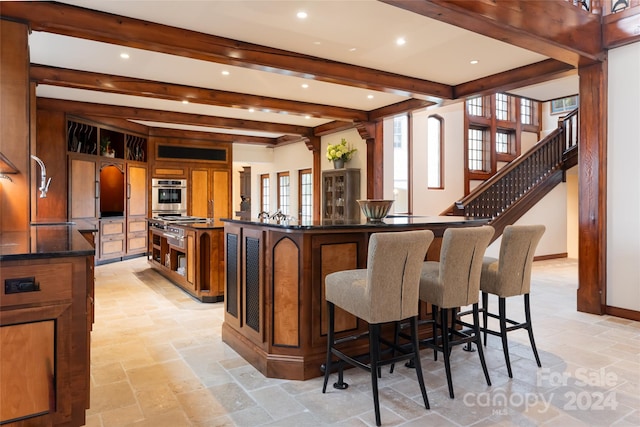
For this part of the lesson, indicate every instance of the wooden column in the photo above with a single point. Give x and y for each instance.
(592, 174)
(14, 124)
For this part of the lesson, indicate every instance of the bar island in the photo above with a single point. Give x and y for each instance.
(275, 310)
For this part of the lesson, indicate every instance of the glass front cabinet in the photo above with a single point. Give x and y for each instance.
(340, 192)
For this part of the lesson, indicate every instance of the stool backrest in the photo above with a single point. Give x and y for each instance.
(393, 273)
(517, 249)
(461, 258)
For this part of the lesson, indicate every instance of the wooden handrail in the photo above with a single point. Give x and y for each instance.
(494, 196)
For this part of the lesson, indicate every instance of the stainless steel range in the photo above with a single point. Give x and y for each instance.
(169, 225)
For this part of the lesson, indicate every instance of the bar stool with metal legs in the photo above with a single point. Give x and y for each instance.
(508, 276)
(454, 282)
(386, 291)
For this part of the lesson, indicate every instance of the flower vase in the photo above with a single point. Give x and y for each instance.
(338, 164)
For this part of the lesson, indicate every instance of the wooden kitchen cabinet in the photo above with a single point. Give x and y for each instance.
(137, 202)
(340, 192)
(109, 186)
(194, 263)
(111, 238)
(83, 187)
(209, 191)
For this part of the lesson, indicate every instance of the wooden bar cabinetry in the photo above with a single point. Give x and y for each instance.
(275, 310)
(45, 323)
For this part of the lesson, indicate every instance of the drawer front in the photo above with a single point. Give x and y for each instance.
(111, 247)
(137, 226)
(137, 243)
(52, 283)
(112, 228)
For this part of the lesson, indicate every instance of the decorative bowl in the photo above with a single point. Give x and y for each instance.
(374, 209)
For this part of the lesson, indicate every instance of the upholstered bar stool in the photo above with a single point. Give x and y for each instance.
(454, 282)
(508, 276)
(386, 291)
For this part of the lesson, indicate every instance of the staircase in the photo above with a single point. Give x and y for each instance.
(518, 186)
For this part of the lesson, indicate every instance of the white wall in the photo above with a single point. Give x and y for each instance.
(623, 177)
(552, 212)
(430, 201)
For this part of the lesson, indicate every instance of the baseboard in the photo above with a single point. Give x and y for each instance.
(625, 313)
(550, 256)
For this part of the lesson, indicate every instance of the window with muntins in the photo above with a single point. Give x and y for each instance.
(477, 149)
(305, 192)
(264, 192)
(284, 194)
(474, 106)
(401, 126)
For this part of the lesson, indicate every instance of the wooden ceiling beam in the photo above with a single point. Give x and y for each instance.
(398, 108)
(209, 136)
(553, 28)
(105, 27)
(144, 114)
(622, 28)
(153, 89)
(516, 78)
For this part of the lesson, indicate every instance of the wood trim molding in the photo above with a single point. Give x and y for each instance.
(623, 312)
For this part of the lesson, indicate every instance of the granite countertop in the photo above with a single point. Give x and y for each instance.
(52, 240)
(388, 222)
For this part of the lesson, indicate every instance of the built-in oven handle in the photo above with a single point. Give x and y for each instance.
(128, 191)
(97, 189)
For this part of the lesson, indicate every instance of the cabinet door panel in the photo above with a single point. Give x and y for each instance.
(199, 193)
(221, 205)
(82, 188)
(27, 369)
(136, 190)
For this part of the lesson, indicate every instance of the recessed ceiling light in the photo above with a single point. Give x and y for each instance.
(184, 101)
(301, 14)
(474, 61)
(370, 96)
(304, 85)
(251, 110)
(353, 49)
(307, 116)
(225, 73)
(317, 43)
(400, 41)
(124, 55)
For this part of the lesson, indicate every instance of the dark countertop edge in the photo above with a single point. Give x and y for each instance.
(428, 220)
(48, 255)
(194, 225)
(80, 246)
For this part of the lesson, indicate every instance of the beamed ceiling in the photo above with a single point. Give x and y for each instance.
(241, 65)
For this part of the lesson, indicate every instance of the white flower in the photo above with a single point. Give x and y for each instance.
(340, 151)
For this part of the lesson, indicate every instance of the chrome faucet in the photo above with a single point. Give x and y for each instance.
(44, 183)
(263, 215)
(278, 216)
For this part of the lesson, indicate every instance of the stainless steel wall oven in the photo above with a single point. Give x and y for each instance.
(168, 197)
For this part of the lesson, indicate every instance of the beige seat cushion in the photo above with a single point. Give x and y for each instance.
(455, 280)
(510, 275)
(387, 290)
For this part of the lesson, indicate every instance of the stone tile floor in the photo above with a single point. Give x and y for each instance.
(158, 360)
